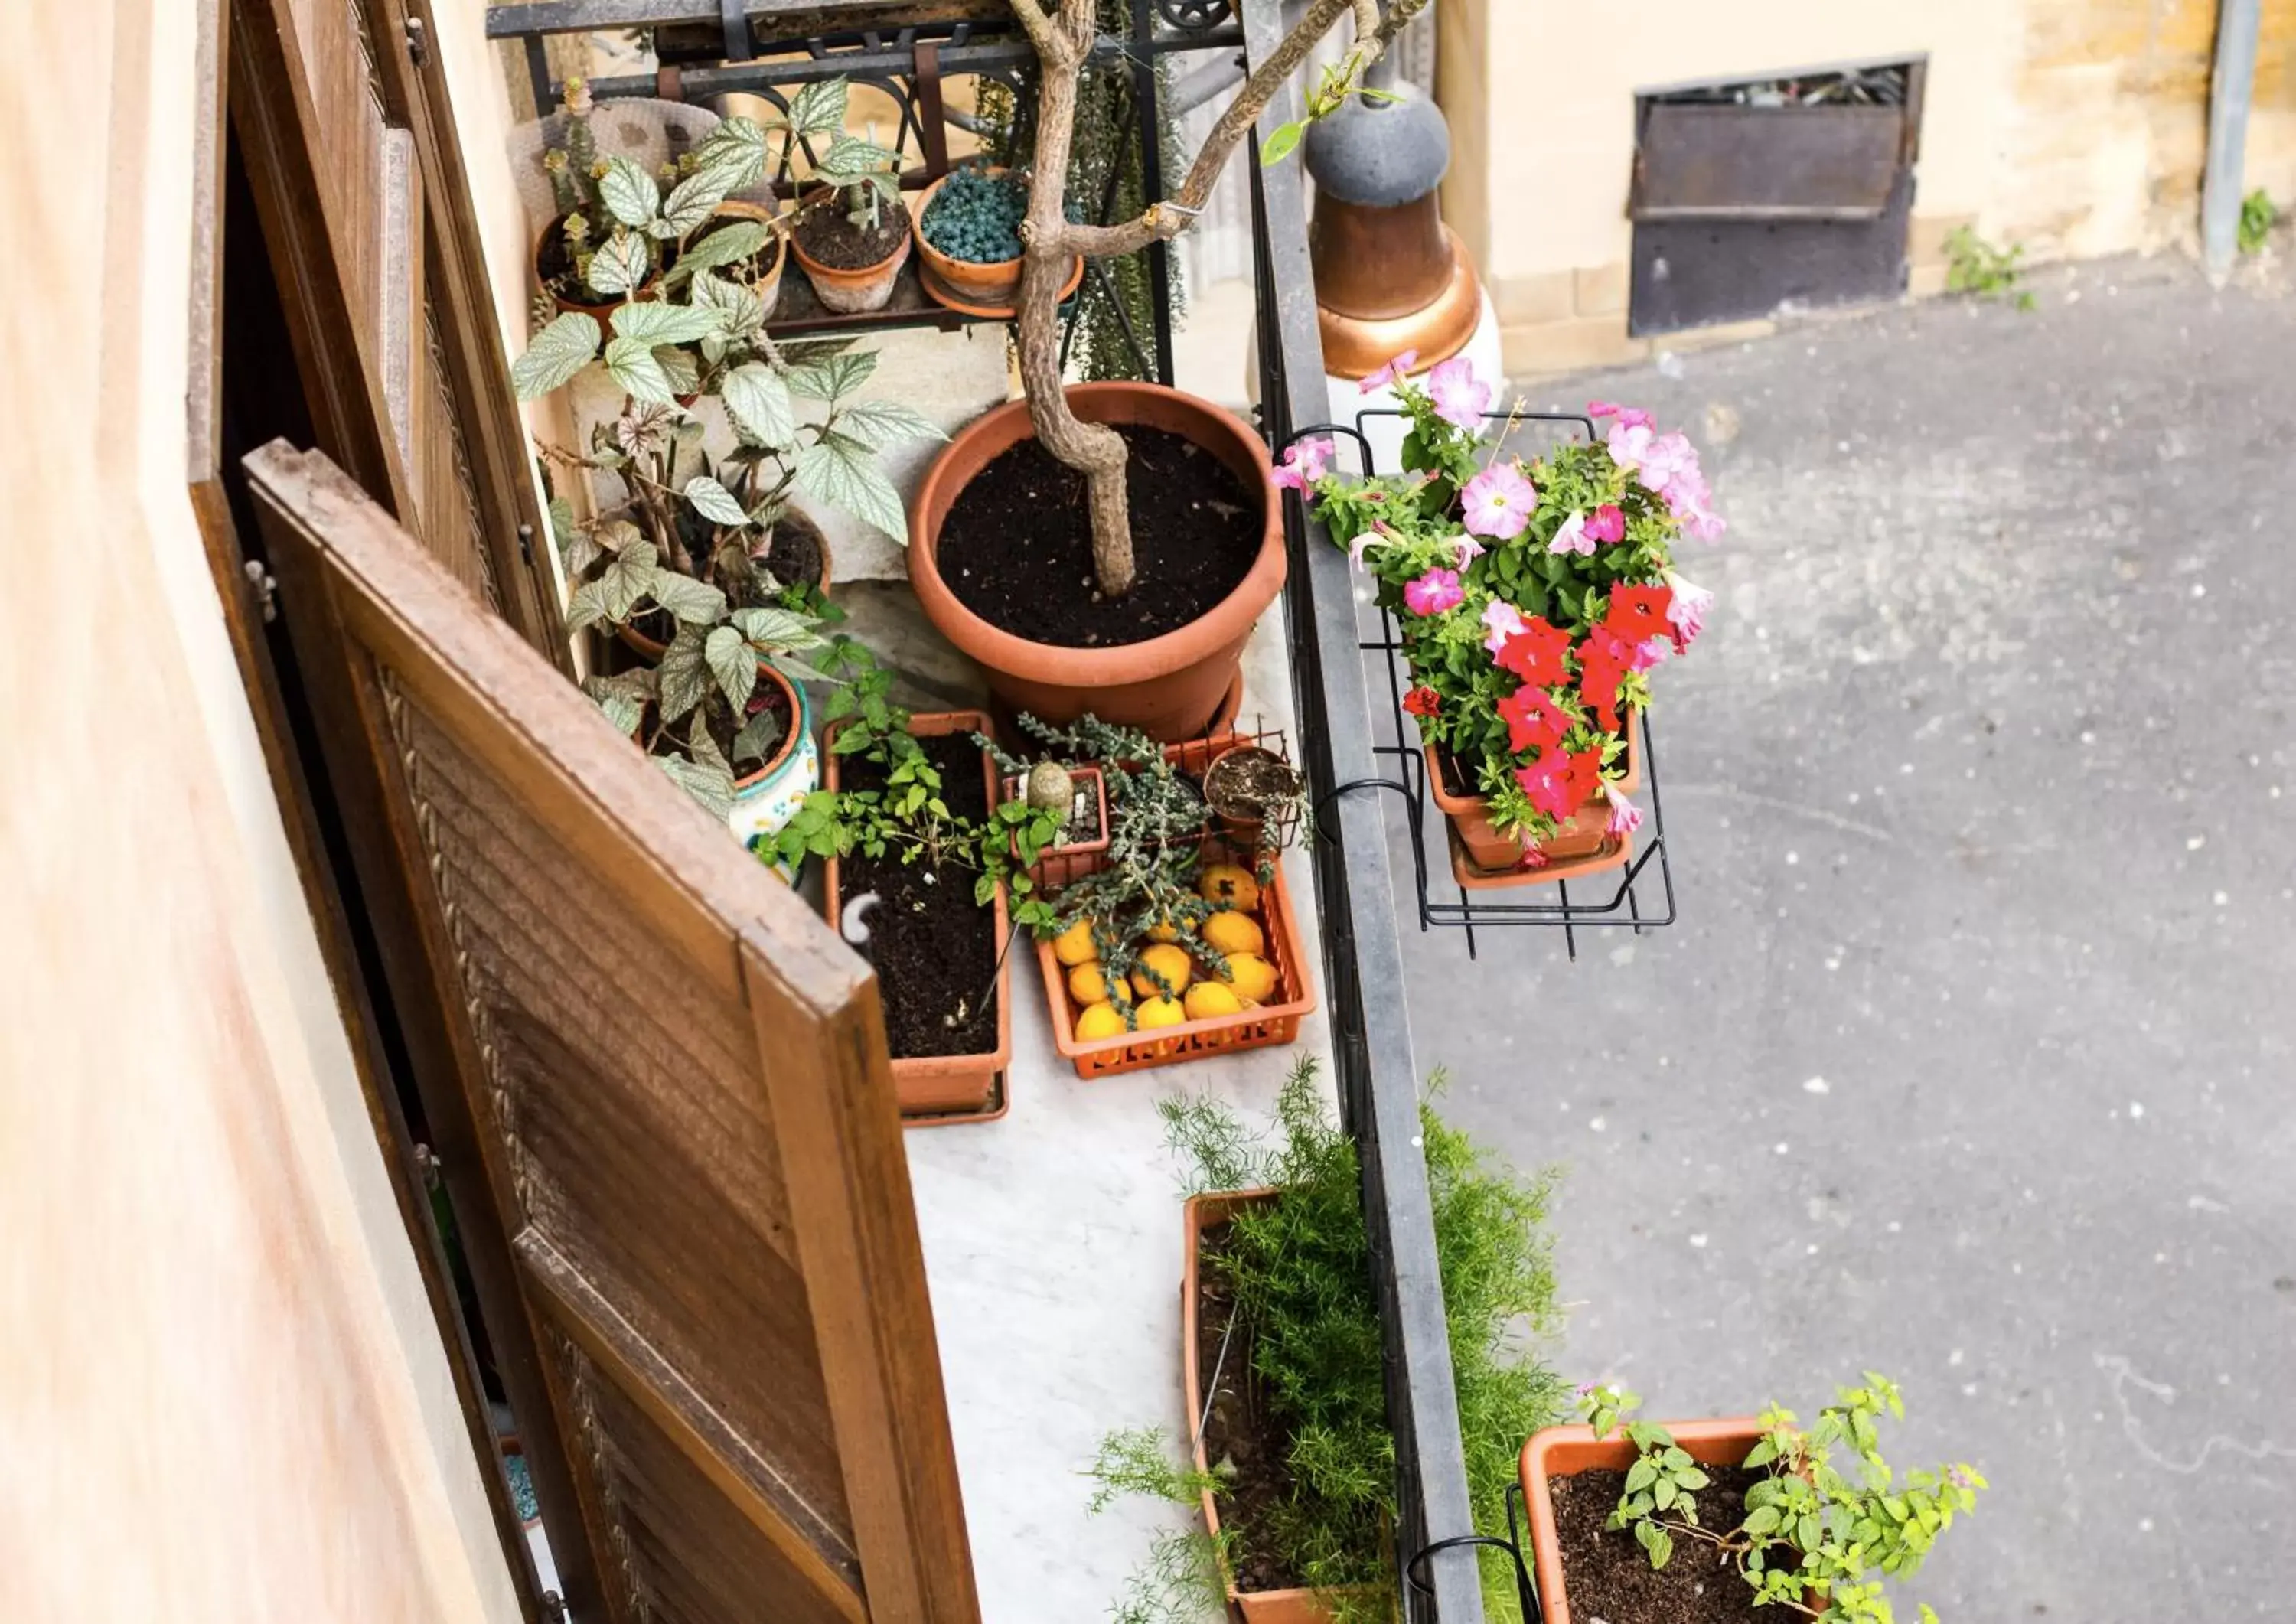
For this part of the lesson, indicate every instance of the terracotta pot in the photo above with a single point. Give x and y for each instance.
(1056, 865)
(1166, 687)
(1586, 832)
(869, 287)
(1242, 829)
(989, 289)
(1613, 853)
(1568, 1451)
(767, 287)
(601, 313)
(938, 1084)
(1298, 1605)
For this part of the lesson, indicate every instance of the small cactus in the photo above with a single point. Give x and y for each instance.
(1051, 789)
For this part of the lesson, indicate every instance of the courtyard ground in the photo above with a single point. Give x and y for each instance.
(1972, 1058)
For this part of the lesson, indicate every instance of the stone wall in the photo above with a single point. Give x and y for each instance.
(2075, 128)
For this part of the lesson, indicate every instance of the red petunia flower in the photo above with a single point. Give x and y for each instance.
(1423, 701)
(1534, 721)
(1582, 775)
(1638, 613)
(1603, 660)
(1534, 653)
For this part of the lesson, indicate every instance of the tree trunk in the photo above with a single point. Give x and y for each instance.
(1095, 451)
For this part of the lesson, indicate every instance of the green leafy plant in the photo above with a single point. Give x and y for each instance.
(863, 176)
(1185, 1579)
(1298, 1268)
(622, 225)
(1817, 1538)
(2258, 216)
(1974, 265)
(703, 713)
(1156, 820)
(907, 817)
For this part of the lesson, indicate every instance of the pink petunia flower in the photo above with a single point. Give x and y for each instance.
(1689, 500)
(1549, 784)
(1434, 591)
(1305, 462)
(1626, 817)
(1502, 620)
(1498, 500)
(1608, 524)
(1687, 612)
(1532, 856)
(1570, 537)
(1468, 549)
(1461, 399)
(1630, 416)
(1394, 371)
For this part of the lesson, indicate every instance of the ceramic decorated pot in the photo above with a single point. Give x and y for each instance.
(766, 800)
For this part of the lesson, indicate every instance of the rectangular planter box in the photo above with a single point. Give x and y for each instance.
(1567, 1451)
(1294, 1606)
(1276, 1021)
(939, 1084)
(1483, 858)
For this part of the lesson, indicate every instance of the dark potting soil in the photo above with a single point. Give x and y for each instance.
(1608, 1577)
(1248, 781)
(794, 559)
(829, 238)
(1238, 1429)
(935, 950)
(1016, 546)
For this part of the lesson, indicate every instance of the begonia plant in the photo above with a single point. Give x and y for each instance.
(1532, 595)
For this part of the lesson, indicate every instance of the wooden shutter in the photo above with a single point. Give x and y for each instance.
(659, 1087)
(350, 143)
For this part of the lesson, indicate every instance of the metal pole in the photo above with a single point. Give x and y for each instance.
(2229, 88)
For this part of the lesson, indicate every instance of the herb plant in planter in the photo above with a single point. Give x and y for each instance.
(1032, 554)
(1282, 1359)
(1164, 947)
(1532, 598)
(1078, 796)
(920, 860)
(1716, 1521)
(853, 236)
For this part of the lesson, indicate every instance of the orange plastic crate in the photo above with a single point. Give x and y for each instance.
(1270, 1024)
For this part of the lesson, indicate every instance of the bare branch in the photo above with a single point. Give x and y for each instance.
(1042, 33)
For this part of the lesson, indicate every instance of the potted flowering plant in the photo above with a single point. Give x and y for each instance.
(1533, 598)
(1636, 1523)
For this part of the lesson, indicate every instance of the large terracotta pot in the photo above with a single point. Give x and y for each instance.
(1568, 1451)
(1167, 686)
(935, 1085)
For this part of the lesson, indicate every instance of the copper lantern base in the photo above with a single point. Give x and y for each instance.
(1354, 345)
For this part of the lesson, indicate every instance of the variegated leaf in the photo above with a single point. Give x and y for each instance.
(733, 664)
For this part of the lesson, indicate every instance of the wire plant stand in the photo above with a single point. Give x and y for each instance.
(1639, 898)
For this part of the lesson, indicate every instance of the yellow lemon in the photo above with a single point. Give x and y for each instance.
(1088, 984)
(1074, 946)
(1230, 932)
(1099, 1021)
(1252, 976)
(1171, 963)
(1165, 933)
(1160, 1011)
(1206, 999)
(1224, 885)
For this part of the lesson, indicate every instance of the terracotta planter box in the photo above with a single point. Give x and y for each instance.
(1568, 1451)
(939, 1084)
(1583, 843)
(1275, 1021)
(1056, 865)
(1166, 686)
(1298, 1605)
